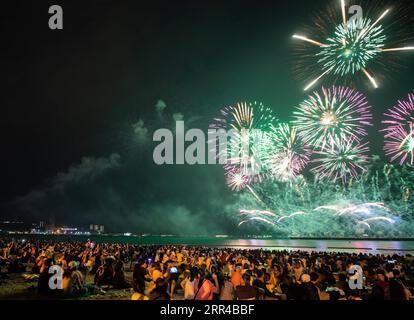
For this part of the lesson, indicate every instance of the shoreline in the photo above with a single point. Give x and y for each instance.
(118, 235)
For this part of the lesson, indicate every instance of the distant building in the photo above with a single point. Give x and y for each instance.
(96, 228)
(14, 226)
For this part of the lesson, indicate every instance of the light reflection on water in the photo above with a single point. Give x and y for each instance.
(365, 246)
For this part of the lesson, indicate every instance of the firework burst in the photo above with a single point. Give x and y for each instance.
(341, 159)
(244, 115)
(351, 48)
(247, 126)
(236, 181)
(289, 154)
(336, 113)
(354, 56)
(399, 133)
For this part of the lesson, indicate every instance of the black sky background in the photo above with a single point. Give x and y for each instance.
(68, 94)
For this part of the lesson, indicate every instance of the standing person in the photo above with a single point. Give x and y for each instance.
(204, 288)
(172, 276)
(236, 277)
(220, 280)
(188, 284)
(227, 291)
(139, 275)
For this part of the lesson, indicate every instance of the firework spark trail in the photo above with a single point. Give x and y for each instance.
(378, 205)
(263, 216)
(343, 13)
(389, 220)
(397, 49)
(365, 224)
(257, 219)
(306, 39)
(257, 212)
(254, 194)
(376, 212)
(370, 78)
(366, 30)
(363, 208)
(332, 208)
(293, 215)
(313, 82)
(354, 210)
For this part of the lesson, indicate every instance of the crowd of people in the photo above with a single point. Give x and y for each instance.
(207, 273)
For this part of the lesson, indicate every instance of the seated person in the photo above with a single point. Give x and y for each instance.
(160, 290)
(43, 282)
(16, 265)
(74, 282)
(104, 274)
(245, 291)
(119, 281)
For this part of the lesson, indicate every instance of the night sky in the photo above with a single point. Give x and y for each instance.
(70, 97)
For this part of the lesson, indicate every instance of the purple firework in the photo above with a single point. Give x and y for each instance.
(399, 131)
(335, 113)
